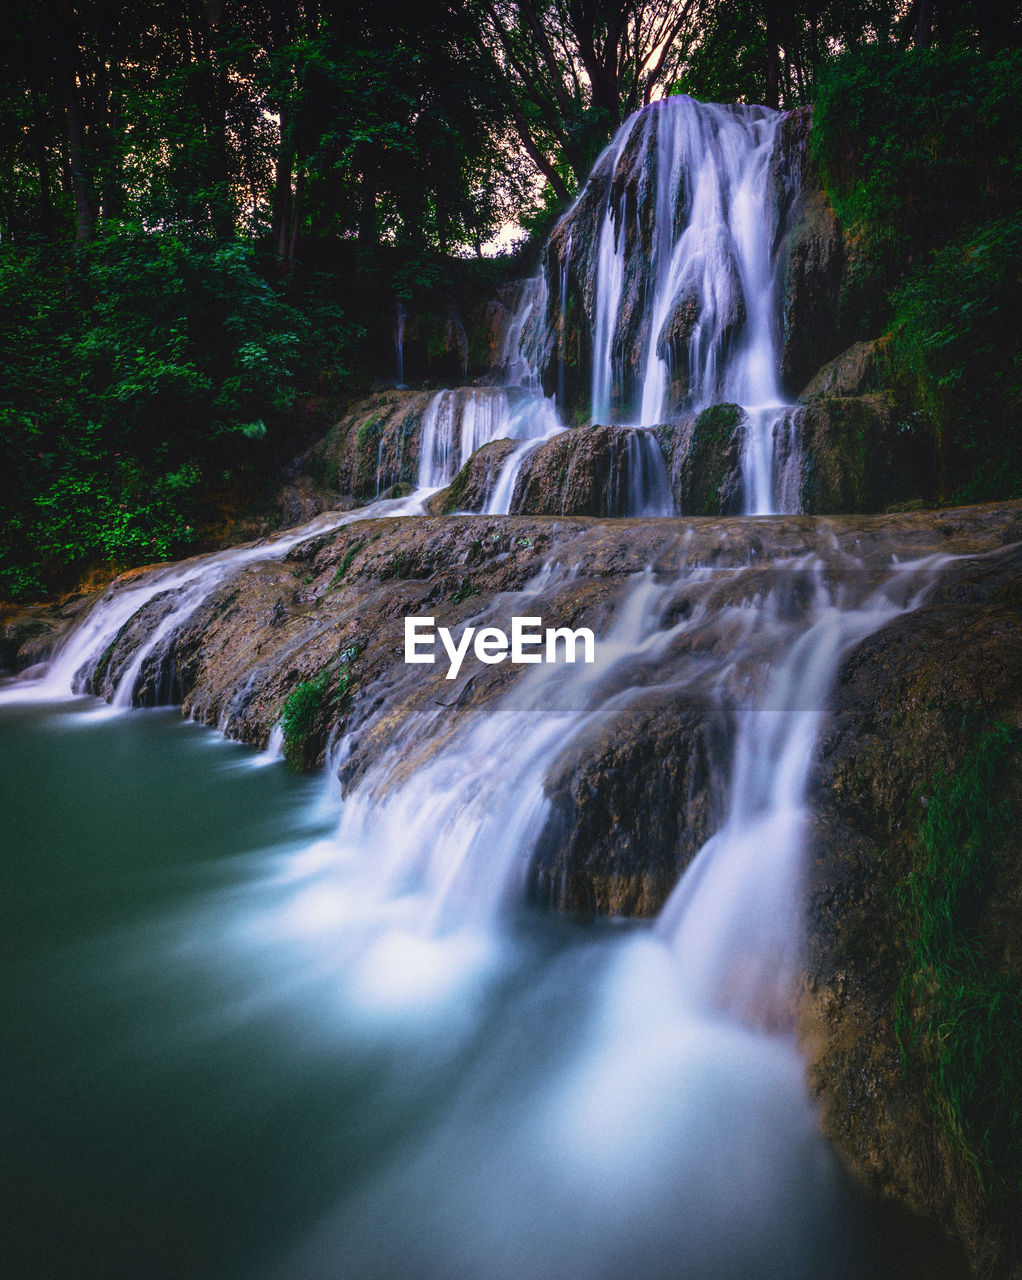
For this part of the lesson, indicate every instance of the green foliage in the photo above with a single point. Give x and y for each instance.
(345, 565)
(465, 590)
(922, 158)
(956, 345)
(138, 371)
(301, 711)
(915, 148)
(957, 1015)
(307, 703)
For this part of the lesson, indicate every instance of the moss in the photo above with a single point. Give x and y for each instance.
(456, 490)
(859, 455)
(370, 427)
(345, 565)
(958, 1018)
(464, 591)
(713, 461)
(298, 719)
(304, 711)
(101, 666)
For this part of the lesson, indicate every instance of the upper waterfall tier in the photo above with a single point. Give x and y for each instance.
(662, 290)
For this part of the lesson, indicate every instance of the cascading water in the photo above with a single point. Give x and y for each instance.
(399, 342)
(606, 1106)
(186, 586)
(629, 1102)
(660, 1088)
(683, 289)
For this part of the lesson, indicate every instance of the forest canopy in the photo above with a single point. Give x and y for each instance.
(209, 211)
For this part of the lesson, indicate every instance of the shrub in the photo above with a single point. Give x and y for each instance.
(139, 373)
(957, 1015)
(957, 350)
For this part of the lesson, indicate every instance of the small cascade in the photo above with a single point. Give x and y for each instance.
(455, 424)
(676, 1079)
(184, 586)
(563, 301)
(610, 269)
(649, 489)
(734, 923)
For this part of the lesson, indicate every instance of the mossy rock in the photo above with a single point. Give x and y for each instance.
(710, 471)
(856, 457)
(581, 472)
(372, 448)
(472, 487)
(855, 372)
(631, 803)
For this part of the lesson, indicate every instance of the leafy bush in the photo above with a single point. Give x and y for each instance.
(956, 348)
(301, 711)
(138, 372)
(921, 155)
(957, 1015)
(914, 148)
(916, 145)
(306, 705)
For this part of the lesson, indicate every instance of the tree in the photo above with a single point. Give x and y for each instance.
(569, 71)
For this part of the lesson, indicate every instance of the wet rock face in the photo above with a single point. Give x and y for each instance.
(854, 458)
(704, 455)
(30, 634)
(373, 447)
(634, 795)
(855, 372)
(910, 703)
(473, 486)
(25, 638)
(811, 256)
(631, 803)
(582, 472)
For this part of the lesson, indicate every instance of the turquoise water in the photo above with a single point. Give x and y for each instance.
(194, 1088)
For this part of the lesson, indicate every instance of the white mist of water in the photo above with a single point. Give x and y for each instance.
(621, 1106)
(454, 425)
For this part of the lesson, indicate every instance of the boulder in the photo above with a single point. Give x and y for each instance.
(472, 487)
(855, 457)
(631, 803)
(374, 446)
(587, 471)
(704, 460)
(855, 372)
(895, 1037)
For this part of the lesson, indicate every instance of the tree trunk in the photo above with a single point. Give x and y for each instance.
(924, 25)
(42, 164)
(772, 97)
(67, 59)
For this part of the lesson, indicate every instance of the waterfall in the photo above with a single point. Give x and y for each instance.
(456, 423)
(677, 1079)
(682, 303)
(664, 271)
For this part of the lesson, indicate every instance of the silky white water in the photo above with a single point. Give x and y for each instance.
(511, 1096)
(476, 1090)
(708, 295)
